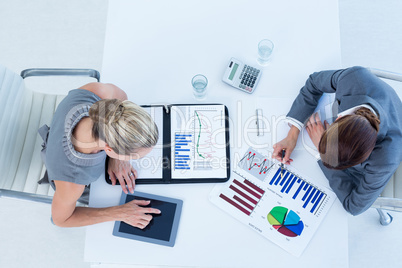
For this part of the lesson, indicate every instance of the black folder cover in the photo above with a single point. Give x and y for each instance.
(167, 161)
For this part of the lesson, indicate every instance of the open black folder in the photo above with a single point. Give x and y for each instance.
(193, 145)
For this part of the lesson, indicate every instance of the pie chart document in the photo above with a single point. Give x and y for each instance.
(280, 204)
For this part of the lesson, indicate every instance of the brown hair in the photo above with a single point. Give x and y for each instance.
(349, 140)
(123, 125)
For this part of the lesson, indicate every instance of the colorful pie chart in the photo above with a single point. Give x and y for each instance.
(285, 221)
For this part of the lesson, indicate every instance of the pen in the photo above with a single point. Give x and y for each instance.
(259, 122)
(282, 156)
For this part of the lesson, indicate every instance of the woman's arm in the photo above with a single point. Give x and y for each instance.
(302, 107)
(288, 144)
(342, 82)
(66, 214)
(105, 91)
(118, 169)
(305, 104)
(309, 95)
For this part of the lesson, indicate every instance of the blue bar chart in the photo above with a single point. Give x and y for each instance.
(182, 150)
(298, 189)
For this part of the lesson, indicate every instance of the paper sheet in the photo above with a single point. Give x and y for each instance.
(286, 209)
(150, 166)
(198, 142)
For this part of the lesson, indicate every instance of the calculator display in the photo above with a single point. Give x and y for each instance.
(233, 71)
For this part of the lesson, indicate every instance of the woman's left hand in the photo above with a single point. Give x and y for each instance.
(124, 172)
(315, 128)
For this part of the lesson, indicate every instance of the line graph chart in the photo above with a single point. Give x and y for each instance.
(255, 164)
(199, 138)
(204, 146)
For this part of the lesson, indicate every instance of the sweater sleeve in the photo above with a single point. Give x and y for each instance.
(309, 95)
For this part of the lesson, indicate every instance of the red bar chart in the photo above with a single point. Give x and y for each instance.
(243, 195)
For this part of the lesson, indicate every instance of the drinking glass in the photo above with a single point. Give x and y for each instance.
(199, 83)
(265, 48)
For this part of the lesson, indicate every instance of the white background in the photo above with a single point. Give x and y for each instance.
(58, 33)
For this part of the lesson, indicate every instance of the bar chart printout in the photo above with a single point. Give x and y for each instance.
(308, 196)
(286, 209)
(244, 195)
(182, 150)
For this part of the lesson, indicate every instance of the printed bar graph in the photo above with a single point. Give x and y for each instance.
(236, 205)
(243, 195)
(247, 189)
(250, 207)
(258, 189)
(290, 184)
(282, 205)
(182, 148)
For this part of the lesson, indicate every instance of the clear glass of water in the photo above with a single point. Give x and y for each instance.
(199, 83)
(265, 48)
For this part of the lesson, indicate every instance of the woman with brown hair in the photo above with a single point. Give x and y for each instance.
(361, 150)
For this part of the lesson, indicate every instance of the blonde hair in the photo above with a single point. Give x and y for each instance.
(123, 125)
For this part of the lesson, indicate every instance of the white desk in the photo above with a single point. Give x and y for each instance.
(152, 50)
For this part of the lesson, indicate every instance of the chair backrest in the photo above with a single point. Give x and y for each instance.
(393, 189)
(11, 98)
(22, 112)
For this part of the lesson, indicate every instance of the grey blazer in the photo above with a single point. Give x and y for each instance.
(359, 186)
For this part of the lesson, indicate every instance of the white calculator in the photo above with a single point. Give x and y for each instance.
(241, 76)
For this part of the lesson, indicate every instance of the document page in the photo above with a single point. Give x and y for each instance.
(280, 204)
(198, 142)
(150, 166)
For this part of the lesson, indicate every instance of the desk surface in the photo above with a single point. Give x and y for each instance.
(152, 50)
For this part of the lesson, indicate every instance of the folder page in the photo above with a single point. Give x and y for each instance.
(150, 166)
(198, 141)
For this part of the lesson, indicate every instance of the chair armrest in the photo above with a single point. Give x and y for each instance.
(388, 203)
(26, 196)
(386, 74)
(60, 72)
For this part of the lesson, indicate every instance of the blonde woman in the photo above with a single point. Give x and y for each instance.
(93, 122)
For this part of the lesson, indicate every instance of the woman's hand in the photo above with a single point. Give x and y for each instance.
(135, 214)
(288, 144)
(124, 172)
(315, 128)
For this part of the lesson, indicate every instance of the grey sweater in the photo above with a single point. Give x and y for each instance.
(62, 161)
(359, 186)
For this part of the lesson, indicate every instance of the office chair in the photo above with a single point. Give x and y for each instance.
(22, 112)
(391, 197)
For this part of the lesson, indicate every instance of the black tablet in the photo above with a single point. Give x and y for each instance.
(163, 227)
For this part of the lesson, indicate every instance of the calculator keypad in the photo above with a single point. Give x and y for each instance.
(248, 77)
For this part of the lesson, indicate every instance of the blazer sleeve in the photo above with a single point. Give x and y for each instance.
(309, 95)
(357, 190)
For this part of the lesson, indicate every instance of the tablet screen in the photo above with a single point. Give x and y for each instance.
(160, 227)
